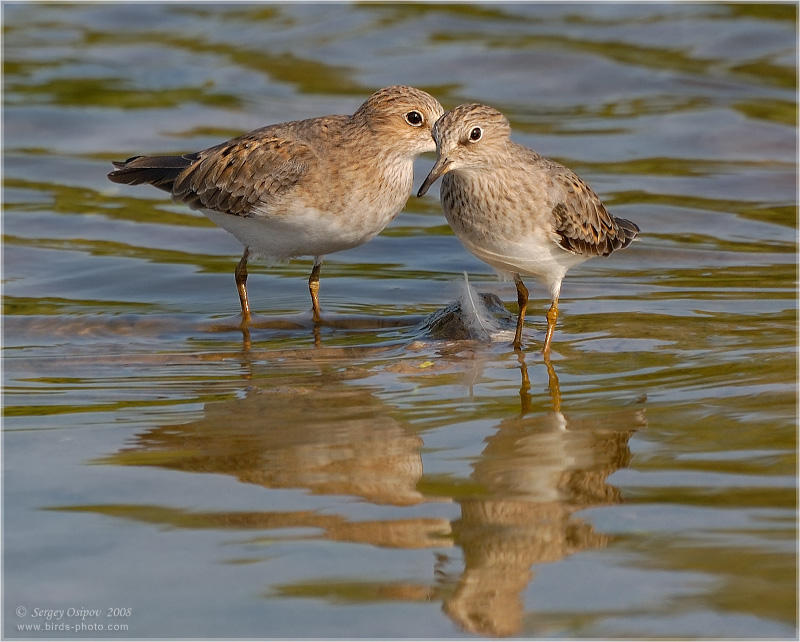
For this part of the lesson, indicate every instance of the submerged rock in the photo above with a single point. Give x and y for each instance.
(481, 317)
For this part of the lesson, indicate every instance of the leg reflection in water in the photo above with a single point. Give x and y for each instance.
(524, 389)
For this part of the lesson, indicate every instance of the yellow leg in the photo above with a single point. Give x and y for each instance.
(522, 300)
(552, 317)
(313, 288)
(241, 285)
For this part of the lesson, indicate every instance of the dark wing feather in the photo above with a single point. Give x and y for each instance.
(230, 178)
(256, 168)
(582, 222)
(160, 171)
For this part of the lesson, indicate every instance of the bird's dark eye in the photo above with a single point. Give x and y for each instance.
(476, 134)
(414, 118)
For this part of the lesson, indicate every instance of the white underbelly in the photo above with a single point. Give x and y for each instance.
(306, 232)
(534, 256)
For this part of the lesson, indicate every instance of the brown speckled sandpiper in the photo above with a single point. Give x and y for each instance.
(519, 212)
(302, 188)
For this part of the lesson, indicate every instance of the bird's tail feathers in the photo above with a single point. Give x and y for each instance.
(629, 231)
(159, 171)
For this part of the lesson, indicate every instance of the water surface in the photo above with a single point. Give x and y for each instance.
(371, 478)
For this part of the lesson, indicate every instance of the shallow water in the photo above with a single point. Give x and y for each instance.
(370, 478)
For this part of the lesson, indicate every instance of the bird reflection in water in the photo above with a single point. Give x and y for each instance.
(538, 470)
(317, 431)
(324, 432)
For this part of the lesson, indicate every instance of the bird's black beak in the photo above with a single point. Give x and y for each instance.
(441, 167)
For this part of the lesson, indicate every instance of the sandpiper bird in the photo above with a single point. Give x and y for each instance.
(302, 188)
(519, 212)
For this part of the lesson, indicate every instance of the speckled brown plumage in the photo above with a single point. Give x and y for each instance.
(523, 214)
(302, 188)
(582, 221)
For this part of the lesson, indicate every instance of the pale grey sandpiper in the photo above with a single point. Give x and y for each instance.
(521, 213)
(302, 188)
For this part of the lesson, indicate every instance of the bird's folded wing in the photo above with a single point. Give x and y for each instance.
(582, 223)
(254, 170)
